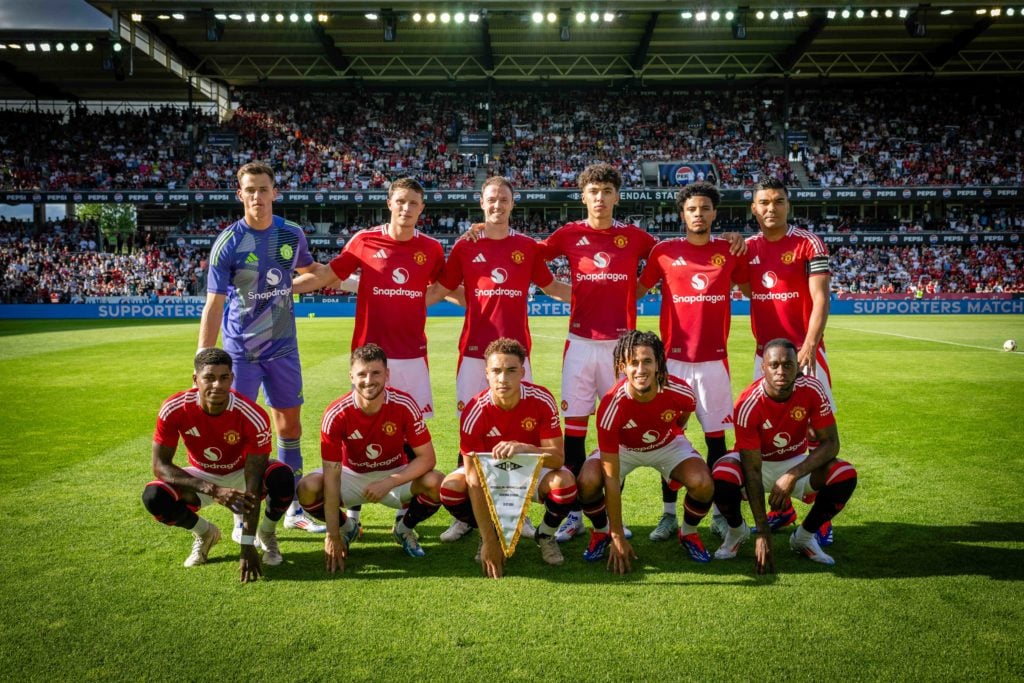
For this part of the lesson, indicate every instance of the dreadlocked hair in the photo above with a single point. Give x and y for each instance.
(626, 347)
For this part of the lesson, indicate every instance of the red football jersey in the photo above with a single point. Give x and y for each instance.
(779, 430)
(483, 424)
(216, 444)
(695, 302)
(780, 300)
(603, 266)
(497, 276)
(624, 421)
(391, 302)
(371, 443)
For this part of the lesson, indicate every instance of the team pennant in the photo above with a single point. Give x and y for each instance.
(509, 484)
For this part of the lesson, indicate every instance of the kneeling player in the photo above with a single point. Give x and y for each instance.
(640, 424)
(511, 417)
(773, 417)
(361, 442)
(228, 441)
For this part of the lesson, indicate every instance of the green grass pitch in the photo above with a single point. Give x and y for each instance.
(929, 580)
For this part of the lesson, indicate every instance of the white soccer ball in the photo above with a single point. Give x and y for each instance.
(1009, 345)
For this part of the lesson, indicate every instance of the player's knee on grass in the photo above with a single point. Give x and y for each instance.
(166, 506)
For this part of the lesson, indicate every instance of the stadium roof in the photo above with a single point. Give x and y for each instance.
(220, 44)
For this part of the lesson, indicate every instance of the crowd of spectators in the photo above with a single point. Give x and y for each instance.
(63, 262)
(547, 138)
(911, 137)
(363, 139)
(933, 269)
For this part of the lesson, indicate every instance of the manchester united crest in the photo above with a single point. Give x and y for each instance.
(798, 413)
(621, 241)
(529, 424)
(518, 257)
(420, 258)
(668, 415)
(232, 437)
(718, 260)
(565, 405)
(788, 257)
(389, 428)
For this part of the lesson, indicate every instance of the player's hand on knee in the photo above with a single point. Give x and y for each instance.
(781, 491)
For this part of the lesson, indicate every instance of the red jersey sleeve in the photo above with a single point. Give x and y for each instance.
(471, 441)
(653, 273)
(332, 436)
(438, 268)
(541, 275)
(416, 432)
(748, 437)
(741, 273)
(452, 275)
(607, 438)
(258, 441)
(551, 246)
(166, 433)
(347, 262)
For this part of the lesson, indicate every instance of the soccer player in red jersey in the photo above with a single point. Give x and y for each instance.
(696, 275)
(604, 255)
(640, 424)
(397, 265)
(789, 294)
(362, 442)
(228, 441)
(512, 416)
(774, 417)
(495, 268)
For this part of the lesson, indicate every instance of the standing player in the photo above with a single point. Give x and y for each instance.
(774, 417)
(362, 442)
(397, 264)
(512, 416)
(640, 424)
(789, 296)
(604, 255)
(251, 265)
(697, 273)
(496, 268)
(228, 440)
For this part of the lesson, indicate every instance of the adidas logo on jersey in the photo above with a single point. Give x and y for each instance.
(629, 425)
(252, 258)
(583, 242)
(380, 254)
(355, 435)
(679, 262)
(767, 424)
(494, 432)
(479, 259)
(756, 261)
(193, 432)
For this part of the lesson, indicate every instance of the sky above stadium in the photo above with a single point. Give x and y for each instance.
(52, 14)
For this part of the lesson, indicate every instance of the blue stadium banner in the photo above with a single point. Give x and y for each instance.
(378, 197)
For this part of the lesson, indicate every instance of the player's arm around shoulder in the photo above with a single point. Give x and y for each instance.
(314, 277)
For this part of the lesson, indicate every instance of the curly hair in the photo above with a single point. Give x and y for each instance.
(626, 347)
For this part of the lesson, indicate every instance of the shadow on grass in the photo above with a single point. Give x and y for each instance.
(880, 550)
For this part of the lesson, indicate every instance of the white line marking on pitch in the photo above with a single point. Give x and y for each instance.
(925, 339)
